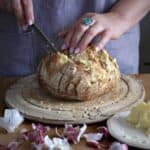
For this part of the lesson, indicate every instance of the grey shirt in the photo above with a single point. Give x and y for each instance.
(20, 51)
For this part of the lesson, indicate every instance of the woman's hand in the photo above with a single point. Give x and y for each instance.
(108, 26)
(22, 9)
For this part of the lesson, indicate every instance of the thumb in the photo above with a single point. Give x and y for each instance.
(105, 37)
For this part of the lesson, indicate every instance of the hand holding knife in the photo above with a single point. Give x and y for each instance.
(49, 45)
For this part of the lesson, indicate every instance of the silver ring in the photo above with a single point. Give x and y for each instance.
(88, 21)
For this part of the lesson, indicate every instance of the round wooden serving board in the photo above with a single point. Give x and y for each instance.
(34, 103)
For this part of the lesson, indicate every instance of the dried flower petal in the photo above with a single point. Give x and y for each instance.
(56, 143)
(42, 128)
(11, 120)
(73, 134)
(118, 146)
(94, 144)
(82, 130)
(92, 139)
(104, 131)
(93, 136)
(36, 135)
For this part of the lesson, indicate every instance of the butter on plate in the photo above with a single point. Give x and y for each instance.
(139, 117)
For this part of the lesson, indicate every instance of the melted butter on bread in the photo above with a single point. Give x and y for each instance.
(83, 76)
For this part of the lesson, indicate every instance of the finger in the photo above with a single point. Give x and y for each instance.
(28, 11)
(105, 37)
(89, 36)
(80, 29)
(67, 40)
(62, 33)
(70, 33)
(78, 33)
(18, 12)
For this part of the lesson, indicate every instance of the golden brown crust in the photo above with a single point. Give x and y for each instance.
(90, 94)
(82, 77)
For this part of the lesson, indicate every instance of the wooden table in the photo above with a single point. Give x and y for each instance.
(5, 137)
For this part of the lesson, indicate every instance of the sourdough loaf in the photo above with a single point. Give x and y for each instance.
(84, 76)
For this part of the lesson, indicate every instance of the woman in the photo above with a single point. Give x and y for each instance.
(113, 23)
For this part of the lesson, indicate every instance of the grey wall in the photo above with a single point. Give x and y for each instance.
(145, 45)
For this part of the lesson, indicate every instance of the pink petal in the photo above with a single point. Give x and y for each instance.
(118, 146)
(36, 135)
(94, 144)
(68, 127)
(124, 147)
(93, 137)
(104, 131)
(73, 134)
(40, 127)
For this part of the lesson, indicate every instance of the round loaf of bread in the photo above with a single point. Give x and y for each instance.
(84, 76)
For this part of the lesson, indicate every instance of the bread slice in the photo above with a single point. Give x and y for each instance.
(84, 76)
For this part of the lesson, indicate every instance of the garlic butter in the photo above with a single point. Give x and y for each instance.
(139, 117)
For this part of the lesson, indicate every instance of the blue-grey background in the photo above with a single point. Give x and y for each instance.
(145, 45)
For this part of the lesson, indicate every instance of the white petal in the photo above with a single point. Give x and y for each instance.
(33, 126)
(11, 120)
(56, 143)
(118, 146)
(48, 142)
(82, 130)
(61, 144)
(93, 136)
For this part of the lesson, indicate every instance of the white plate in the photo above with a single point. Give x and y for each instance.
(120, 129)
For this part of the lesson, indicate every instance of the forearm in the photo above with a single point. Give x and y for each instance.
(131, 11)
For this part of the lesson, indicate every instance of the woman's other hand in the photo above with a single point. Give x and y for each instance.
(108, 26)
(22, 9)
(112, 25)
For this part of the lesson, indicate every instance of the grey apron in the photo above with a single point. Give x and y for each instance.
(20, 51)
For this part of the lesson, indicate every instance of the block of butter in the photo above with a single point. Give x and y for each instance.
(139, 117)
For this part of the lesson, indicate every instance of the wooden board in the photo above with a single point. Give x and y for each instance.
(34, 103)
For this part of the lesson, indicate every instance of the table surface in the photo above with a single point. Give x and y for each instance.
(5, 138)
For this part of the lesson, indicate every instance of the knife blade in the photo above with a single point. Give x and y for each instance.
(49, 45)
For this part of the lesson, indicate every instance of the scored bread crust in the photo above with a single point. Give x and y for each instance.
(85, 76)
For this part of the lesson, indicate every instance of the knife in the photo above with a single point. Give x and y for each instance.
(44, 38)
